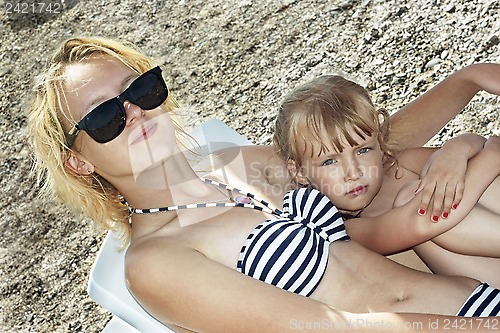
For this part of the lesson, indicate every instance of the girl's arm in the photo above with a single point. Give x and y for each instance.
(400, 228)
(442, 177)
(191, 293)
(419, 121)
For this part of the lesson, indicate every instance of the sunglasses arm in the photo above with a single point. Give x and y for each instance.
(71, 136)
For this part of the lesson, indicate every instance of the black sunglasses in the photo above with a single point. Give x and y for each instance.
(107, 120)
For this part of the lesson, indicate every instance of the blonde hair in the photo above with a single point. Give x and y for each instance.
(328, 103)
(89, 194)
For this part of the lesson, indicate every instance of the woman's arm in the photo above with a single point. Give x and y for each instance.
(490, 198)
(190, 293)
(184, 289)
(444, 262)
(400, 228)
(481, 225)
(417, 122)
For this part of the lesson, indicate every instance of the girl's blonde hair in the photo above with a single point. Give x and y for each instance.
(328, 104)
(89, 194)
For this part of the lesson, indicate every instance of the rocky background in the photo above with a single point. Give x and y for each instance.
(228, 59)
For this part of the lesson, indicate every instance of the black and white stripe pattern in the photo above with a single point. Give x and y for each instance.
(190, 206)
(266, 206)
(292, 252)
(483, 302)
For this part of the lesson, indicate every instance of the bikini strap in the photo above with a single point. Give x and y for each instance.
(273, 210)
(245, 201)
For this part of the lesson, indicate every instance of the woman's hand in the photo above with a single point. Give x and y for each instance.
(485, 76)
(443, 175)
(493, 142)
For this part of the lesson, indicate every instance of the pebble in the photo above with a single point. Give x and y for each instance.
(51, 307)
(494, 40)
(450, 8)
(433, 62)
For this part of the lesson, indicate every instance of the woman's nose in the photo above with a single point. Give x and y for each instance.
(132, 111)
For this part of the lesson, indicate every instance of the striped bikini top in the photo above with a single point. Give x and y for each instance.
(291, 251)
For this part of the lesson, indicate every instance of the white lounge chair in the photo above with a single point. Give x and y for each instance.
(107, 281)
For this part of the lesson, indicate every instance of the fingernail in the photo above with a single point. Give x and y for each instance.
(435, 218)
(445, 214)
(421, 211)
(455, 206)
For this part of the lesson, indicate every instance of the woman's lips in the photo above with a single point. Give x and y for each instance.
(146, 132)
(357, 191)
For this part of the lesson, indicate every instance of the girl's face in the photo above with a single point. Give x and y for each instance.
(148, 137)
(351, 178)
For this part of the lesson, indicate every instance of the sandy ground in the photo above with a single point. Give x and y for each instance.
(233, 60)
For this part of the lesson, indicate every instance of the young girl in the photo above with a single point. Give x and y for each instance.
(200, 257)
(336, 141)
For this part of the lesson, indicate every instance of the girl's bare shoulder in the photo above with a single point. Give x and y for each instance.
(414, 159)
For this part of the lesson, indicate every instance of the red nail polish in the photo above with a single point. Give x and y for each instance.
(454, 206)
(435, 218)
(445, 214)
(421, 211)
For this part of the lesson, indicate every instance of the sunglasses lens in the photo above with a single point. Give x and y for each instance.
(148, 92)
(105, 122)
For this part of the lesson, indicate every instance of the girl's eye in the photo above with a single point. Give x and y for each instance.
(363, 150)
(328, 162)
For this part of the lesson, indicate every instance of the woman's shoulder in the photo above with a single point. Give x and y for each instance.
(259, 151)
(147, 250)
(158, 271)
(157, 255)
(256, 154)
(261, 162)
